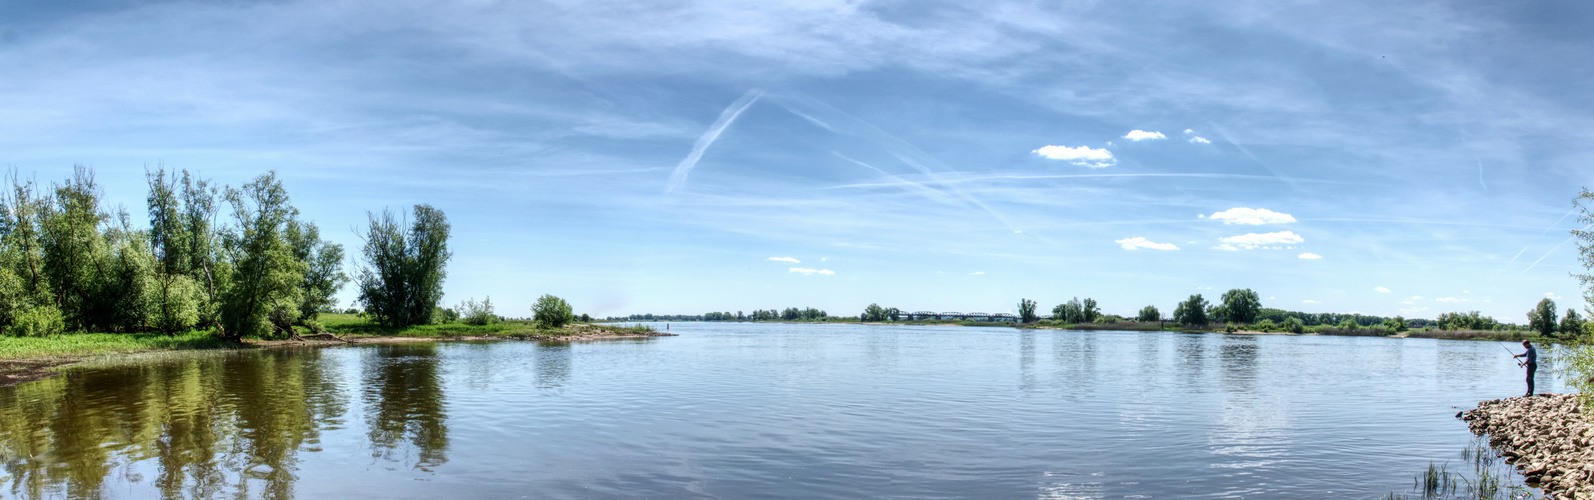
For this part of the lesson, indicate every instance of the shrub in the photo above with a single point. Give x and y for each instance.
(314, 326)
(38, 321)
(551, 312)
(1294, 325)
(471, 312)
(1231, 327)
(1266, 325)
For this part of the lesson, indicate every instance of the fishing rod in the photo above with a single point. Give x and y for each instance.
(1513, 353)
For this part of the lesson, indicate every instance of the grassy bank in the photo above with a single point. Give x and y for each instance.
(73, 345)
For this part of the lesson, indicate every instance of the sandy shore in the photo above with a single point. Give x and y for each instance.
(1547, 437)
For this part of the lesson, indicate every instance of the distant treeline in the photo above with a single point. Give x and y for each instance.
(1238, 308)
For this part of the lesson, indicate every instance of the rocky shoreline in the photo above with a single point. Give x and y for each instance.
(1547, 437)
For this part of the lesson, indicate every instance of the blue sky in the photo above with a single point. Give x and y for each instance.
(682, 157)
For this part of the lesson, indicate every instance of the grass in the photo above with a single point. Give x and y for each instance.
(93, 344)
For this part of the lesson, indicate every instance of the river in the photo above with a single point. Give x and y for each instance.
(739, 410)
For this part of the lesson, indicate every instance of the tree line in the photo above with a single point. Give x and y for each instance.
(237, 261)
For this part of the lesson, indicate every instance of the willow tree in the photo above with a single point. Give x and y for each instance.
(324, 267)
(402, 282)
(265, 277)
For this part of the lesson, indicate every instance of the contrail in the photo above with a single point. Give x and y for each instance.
(727, 117)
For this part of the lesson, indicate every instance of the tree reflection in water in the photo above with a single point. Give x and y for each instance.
(211, 424)
(404, 403)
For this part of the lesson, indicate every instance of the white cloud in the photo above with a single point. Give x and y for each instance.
(1310, 256)
(785, 259)
(1310, 301)
(1380, 289)
(808, 271)
(1141, 135)
(1253, 241)
(1142, 242)
(1252, 216)
(1552, 296)
(977, 273)
(1189, 131)
(1199, 140)
(1449, 299)
(1083, 156)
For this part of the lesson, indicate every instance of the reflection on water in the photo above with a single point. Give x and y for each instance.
(739, 411)
(212, 424)
(404, 404)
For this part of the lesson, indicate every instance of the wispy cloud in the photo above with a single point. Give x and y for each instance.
(1380, 289)
(1254, 241)
(1252, 216)
(1141, 135)
(1552, 296)
(1310, 256)
(785, 259)
(1449, 299)
(726, 118)
(1310, 301)
(807, 271)
(1141, 242)
(977, 273)
(1199, 140)
(1083, 156)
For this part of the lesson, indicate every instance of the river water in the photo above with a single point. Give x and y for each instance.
(728, 410)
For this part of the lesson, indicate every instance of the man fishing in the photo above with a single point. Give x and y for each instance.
(1531, 361)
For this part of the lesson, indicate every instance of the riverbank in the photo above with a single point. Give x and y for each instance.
(25, 359)
(1547, 438)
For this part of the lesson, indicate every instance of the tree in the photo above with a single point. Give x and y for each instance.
(551, 312)
(1542, 318)
(1241, 305)
(1572, 324)
(1191, 312)
(1072, 312)
(1089, 312)
(404, 281)
(323, 260)
(266, 276)
(1149, 313)
(1584, 205)
(1026, 311)
(873, 313)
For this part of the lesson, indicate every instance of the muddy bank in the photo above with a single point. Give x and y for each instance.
(1547, 438)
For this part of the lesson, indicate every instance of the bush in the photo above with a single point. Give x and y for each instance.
(1231, 328)
(314, 326)
(1266, 325)
(472, 313)
(1107, 319)
(551, 312)
(38, 321)
(1294, 325)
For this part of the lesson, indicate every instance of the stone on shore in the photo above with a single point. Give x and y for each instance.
(1547, 437)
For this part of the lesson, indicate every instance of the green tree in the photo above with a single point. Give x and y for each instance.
(1071, 312)
(73, 250)
(1584, 205)
(551, 312)
(1294, 325)
(404, 281)
(471, 312)
(873, 313)
(1542, 318)
(1192, 312)
(266, 276)
(1026, 311)
(1088, 311)
(1241, 305)
(1571, 324)
(323, 275)
(1149, 313)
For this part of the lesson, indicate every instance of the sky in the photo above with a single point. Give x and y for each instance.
(1406, 158)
